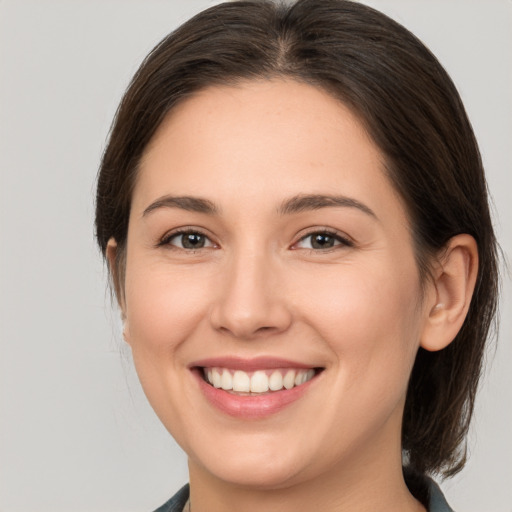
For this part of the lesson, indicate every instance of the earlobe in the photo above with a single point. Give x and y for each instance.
(453, 286)
(126, 330)
(111, 254)
(114, 269)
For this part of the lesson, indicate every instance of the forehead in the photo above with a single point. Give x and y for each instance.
(265, 113)
(263, 139)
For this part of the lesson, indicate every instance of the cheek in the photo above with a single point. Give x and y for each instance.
(371, 323)
(163, 305)
(369, 316)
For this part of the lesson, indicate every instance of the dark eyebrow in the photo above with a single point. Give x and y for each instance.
(303, 203)
(295, 204)
(189, 203)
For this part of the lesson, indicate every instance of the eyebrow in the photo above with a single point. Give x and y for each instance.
(303, 203)
(296, 204)
(189, 203)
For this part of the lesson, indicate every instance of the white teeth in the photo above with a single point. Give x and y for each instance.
(215, 379)
(289, 379)
(275, 383)
(241, 381)
(227, 380)
(260, 381)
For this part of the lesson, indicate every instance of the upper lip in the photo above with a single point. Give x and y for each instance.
(248, 365)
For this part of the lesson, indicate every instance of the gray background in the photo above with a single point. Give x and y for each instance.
(76, 433)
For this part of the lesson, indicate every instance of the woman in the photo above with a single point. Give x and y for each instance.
(294, 212)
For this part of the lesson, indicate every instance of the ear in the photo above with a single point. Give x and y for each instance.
(112, 254)
(453, 283)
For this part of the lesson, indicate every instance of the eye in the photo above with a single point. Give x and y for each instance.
(188, 240)
(319, 240)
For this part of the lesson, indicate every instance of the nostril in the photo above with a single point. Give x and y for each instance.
(265, 329)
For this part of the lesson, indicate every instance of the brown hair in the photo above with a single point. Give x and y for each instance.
(409, 107)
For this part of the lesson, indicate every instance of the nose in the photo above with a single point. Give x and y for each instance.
(251, 302)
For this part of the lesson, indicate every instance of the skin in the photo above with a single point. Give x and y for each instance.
(259, 288)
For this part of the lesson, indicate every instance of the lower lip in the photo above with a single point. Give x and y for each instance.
(250, 406)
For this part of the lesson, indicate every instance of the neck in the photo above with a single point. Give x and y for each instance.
(357, 487)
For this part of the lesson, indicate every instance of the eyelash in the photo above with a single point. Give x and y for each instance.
(165, 241)
(343, 241)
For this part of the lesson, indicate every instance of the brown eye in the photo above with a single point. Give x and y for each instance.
(189, 240)
(322, 240)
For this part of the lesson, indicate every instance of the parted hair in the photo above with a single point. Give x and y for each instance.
(409, 107)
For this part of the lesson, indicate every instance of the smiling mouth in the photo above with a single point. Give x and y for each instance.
(257, 382)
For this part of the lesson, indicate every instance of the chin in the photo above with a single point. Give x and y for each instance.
(263, 476)
(263, 465)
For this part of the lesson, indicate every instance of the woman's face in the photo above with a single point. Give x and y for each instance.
(266, 247)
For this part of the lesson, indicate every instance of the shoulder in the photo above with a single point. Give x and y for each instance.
(437, 501)
(426, 491)
(177, 502)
